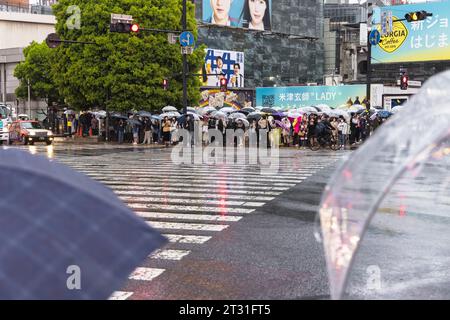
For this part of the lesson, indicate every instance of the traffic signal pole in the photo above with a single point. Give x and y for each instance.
(369, 72)
(185, 65)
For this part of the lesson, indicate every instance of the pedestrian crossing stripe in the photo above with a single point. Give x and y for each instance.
(145, 274)
(187, 226)
(169, 254)
(185, 216)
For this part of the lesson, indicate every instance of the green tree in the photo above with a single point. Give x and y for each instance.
(37, 68)
(123, 71)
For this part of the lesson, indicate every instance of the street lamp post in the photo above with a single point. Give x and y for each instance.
(29, 98)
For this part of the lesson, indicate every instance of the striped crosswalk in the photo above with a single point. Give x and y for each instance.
(188, 204)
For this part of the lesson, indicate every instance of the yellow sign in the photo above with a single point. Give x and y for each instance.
(394, 40)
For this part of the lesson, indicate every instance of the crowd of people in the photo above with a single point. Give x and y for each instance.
(301, 131)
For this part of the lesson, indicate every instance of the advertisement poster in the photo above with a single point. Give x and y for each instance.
(222, 63)
(217, 99)
(295, 97)
(250, 14)
(426, 40)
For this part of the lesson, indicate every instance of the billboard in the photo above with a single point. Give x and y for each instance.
(251, 14)
(426, 40)
(235, 99)
(224, 63)
(295, 97)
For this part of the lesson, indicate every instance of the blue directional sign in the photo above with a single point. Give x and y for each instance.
(187, 39)
(374, 37)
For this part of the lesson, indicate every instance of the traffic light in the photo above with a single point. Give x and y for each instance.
(404, 82)
(223, 84)
(123, 27)
(417, 16)
(165, 84)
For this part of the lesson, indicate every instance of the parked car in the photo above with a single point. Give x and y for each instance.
(29, 132)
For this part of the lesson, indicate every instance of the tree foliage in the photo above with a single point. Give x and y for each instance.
(37, 69)
(123, 71)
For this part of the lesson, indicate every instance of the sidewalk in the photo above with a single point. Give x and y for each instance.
(76, 140)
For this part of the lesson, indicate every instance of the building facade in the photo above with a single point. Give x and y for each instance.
(290, 53)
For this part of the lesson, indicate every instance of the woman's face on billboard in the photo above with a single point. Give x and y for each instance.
(257, 10)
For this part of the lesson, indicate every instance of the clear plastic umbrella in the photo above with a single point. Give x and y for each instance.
(227, 110)
(219, 115)
(406, 160)
(170, 114)
(237, 115)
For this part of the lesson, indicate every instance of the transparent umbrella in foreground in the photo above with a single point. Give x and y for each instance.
(417, 135)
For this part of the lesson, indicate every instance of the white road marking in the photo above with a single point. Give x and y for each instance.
(189, 208)
(187, 226)
(170, 254)
(145, 274)
(191, 194)
(179, 238)
(185, 216)
(120, 295)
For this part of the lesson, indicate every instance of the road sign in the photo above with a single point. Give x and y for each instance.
(172, 38)
(386, 22)
(374, 37)
(121, 18)
(187, 50)
(187, 39)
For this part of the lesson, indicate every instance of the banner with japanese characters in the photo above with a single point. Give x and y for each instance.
(426, 40)
(224, 64)
(296, 97)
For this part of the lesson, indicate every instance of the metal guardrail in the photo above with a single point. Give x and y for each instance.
(31, 8)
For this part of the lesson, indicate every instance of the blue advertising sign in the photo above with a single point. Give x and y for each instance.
(426, 40)
(295, 97)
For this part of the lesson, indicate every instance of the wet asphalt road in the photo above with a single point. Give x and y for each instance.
(266, 251)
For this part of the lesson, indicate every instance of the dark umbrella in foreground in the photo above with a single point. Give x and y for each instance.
(63, 235)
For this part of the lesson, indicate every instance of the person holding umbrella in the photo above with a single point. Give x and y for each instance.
(147, 131)
(120, 130)
(166, 128)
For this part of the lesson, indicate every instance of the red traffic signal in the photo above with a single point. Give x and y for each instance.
(404, 82)
(165, 84)
(123, 27)
(223, 84)
(134, 28)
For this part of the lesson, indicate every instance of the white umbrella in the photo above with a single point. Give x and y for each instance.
(170, 114)
(169, 109)
(244, 121)
(194, 115)
(237, 115)
(228, 109)
(206, 110)
(323, 107)
(308, 109)
(219, 114)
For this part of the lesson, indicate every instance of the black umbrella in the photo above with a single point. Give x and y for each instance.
(254, 116)
(63, 235)
(118, 116)
(268, 110)
(145, 114)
